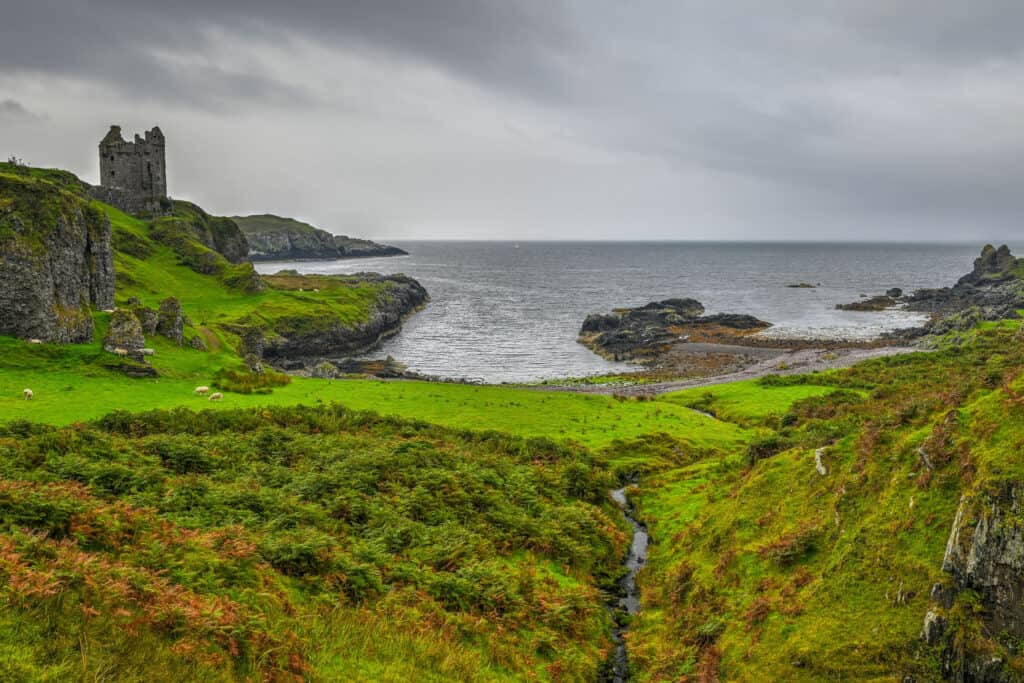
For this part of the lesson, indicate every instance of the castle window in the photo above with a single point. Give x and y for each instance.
(111, 158)
(111, 174)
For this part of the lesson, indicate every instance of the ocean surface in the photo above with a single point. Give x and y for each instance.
(507, 312)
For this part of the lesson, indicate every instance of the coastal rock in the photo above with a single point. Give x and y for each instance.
(875, 303)
(56, 262)
(649, 330)
(169, 320)
(276, 238)
(993, 290)
(306, 337)
(994, 265)
(124, 332)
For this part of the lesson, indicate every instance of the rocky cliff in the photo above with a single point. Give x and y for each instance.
(310, 336)
(977, 617)
(275, 238)
(56, 261)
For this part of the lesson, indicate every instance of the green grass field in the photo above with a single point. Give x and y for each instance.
(69, 389)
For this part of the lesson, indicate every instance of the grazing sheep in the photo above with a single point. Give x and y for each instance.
(316, 291)
(216, 396)
(108, 310)
(202, 391)
(147, 352)
(28, 394)
(35, 341)
(121, 352)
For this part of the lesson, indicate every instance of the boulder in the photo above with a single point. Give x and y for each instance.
(197, 343)
(169, 320)
(324, 370)
(124, 332)
(148, 318)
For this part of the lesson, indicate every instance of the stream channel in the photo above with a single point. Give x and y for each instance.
(629, 596)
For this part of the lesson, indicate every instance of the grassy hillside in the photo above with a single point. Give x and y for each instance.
(270, 223)
(765, 568)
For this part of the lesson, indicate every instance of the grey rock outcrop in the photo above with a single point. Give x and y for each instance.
(56, 262)
(985, 556)
(993, 287)
(324, 370)
(197, 343)
(124, 332)
(276, 238)
(648, 330)
(170, 323)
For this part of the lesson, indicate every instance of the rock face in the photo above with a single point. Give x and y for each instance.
(312, 338)
(124, 332)
(275, 238)
(993, 290)
(56, 262)
(646, 331)
(169, 320)
(985, 558)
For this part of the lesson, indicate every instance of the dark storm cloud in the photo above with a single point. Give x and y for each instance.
(126, 43)
(870, 111)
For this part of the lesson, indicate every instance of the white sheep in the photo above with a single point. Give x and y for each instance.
(121, 352)
(316, 291)
(108, 310)
(147, 352)
(28, 394)
(202, 391)
(35, 341)
(216, 396)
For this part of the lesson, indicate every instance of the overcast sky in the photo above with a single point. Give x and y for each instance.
(520, 119)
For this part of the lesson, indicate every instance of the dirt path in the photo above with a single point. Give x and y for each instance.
(780, 363)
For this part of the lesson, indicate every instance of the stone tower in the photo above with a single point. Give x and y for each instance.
(133, 175)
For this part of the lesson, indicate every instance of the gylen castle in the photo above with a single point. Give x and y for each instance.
(133, 175)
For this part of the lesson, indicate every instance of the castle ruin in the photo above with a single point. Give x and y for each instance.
(133, 175)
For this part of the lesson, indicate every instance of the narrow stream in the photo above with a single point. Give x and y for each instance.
(629, 596)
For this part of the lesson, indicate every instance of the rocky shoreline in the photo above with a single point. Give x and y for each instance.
(274, 238)
(296, 343)
(993, 290)
(678, 346)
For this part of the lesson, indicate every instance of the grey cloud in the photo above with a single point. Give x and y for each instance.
(12, 110)
(868, 111)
